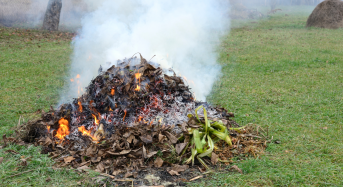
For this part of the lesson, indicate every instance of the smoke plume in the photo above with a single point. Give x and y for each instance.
(182, 34)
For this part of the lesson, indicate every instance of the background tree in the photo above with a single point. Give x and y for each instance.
(52, 15)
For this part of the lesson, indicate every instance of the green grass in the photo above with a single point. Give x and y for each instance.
(290, 79)
(276, 73)
(33, 65)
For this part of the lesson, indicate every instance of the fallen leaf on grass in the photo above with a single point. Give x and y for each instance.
(11, 151)
(325, 128)
(48, 179)
(4, 138)
(158, 162)
(68, 159)
(22, 162)
(214, 158)
(83, 168)
(1, 159)
(234, 167)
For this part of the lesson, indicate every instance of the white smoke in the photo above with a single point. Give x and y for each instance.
(182, 34)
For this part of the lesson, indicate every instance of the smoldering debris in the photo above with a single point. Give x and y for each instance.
(136, 117)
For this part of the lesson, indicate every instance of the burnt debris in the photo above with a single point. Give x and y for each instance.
(133, 116)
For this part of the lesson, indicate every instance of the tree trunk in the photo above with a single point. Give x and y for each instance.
(52, 15)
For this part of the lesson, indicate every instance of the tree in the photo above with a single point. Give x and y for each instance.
(52, 15)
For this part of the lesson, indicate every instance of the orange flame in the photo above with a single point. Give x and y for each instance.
(152, 121)
(71, 80)
(110, 109)
(137, 88)
(78, 76)
(96, 120)
(80, 106)
(48, 128)
(83, 130)
(138, 77)
(140, 118)
(124, 115)
(63, 130)
(112, 91)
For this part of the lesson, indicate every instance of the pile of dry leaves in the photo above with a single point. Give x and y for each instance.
(135, 117)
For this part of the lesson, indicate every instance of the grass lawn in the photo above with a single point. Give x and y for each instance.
(276, 73)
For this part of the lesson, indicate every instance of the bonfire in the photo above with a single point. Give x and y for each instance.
(137, 116)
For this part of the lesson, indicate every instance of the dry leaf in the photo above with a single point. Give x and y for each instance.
(95, 159)
(130, 138)
(68, 159)
(84, 163)
(146, 139)
(91, 150)
(325, 128)
(184, 127)
(22, 162)
(172, 172)
(116, 172)
(202, 170)
(83, 168)
(100, 167)
(158, 162)
(171, 137)
(161, 137)
(127, 175)
(179, 147)
(234, 167)
(11, 151)
(5, 140)
(48, 179)
(1, 159)
(179, 168)
(151, 154)
(144, 152)
(120, 153)
(47, 141)
(214, 158)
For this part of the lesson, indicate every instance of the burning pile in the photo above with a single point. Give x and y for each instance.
(137, 115)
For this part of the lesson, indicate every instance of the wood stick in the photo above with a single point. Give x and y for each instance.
(20, 173)
(19, 122)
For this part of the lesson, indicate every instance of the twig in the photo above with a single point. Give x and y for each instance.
(152, 57)
(107, 175)
(19, 122)
(249, 135)
(195, 178)
(118, 180)
(20, 173)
